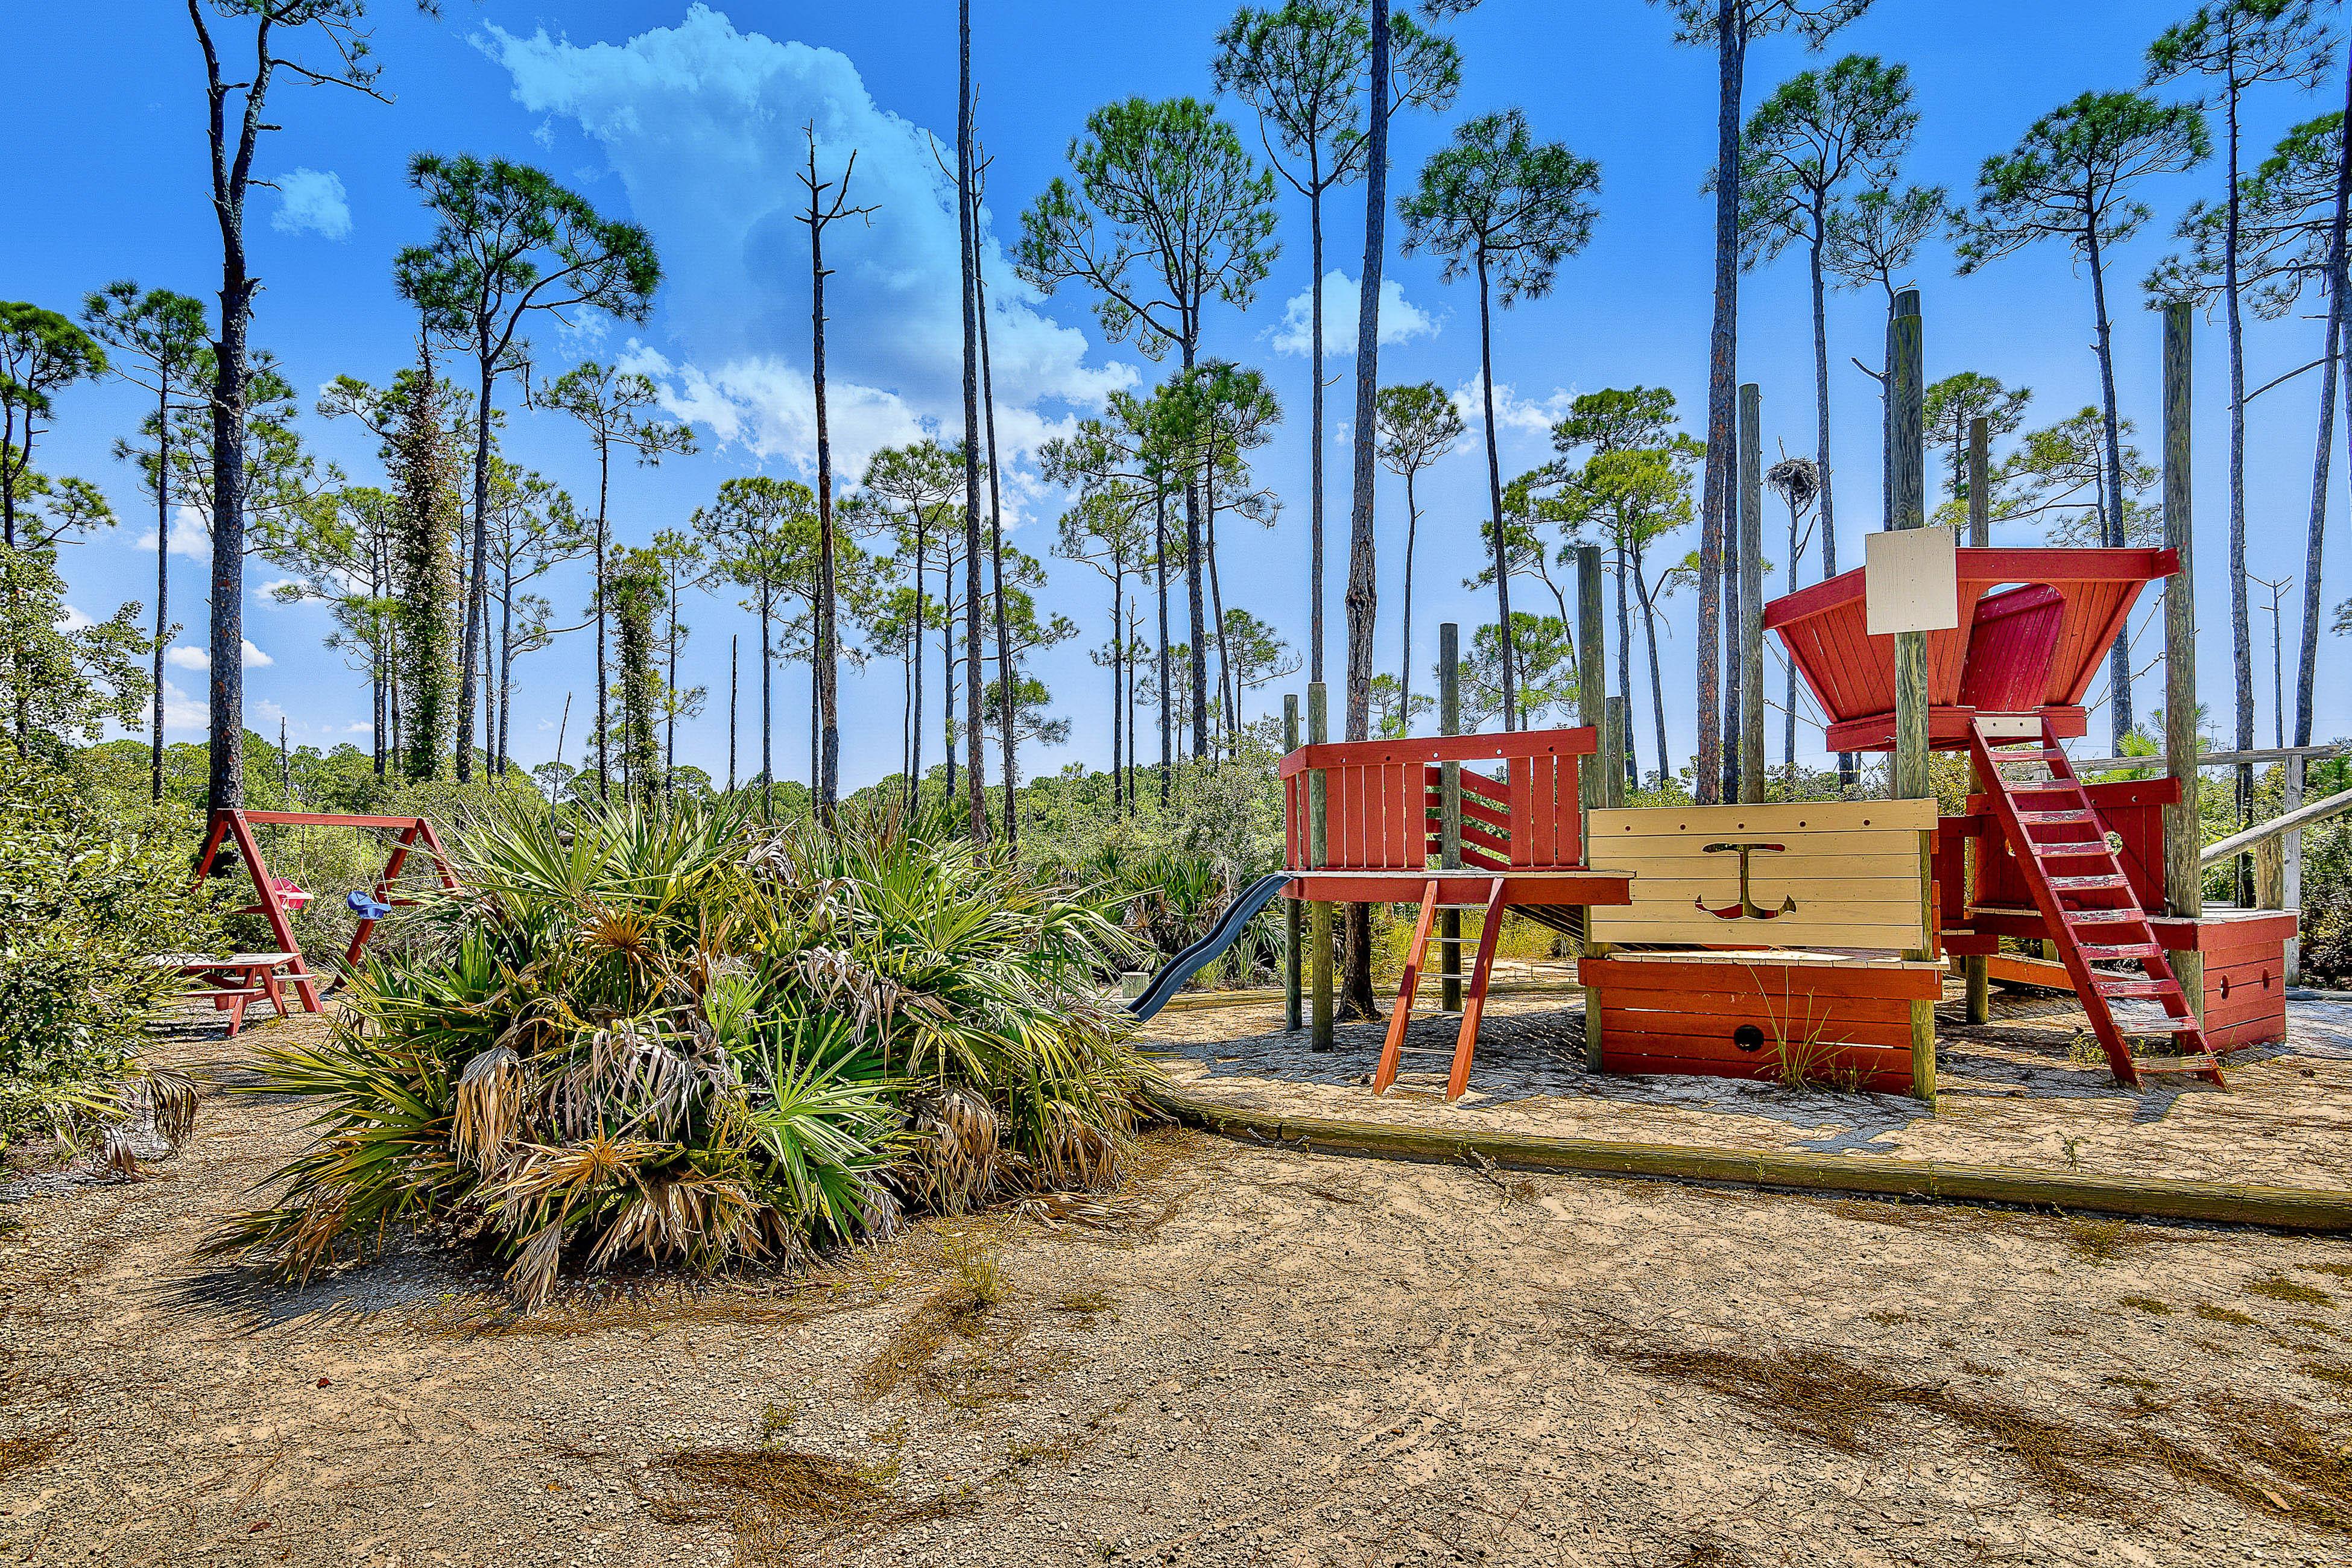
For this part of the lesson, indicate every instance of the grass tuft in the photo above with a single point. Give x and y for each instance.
(2278, 1288)
(2231, 1315)
(2147, 1304)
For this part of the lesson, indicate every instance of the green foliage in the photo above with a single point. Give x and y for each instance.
(2070, 176)
(61, 683)
(675, 1036)
(86, 898)
(1497, 207)
(1816, 133)
(1165, 184)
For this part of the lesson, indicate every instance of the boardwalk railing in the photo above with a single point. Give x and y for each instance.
(1383, 801)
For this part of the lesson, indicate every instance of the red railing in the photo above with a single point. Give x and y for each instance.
(1382, 800)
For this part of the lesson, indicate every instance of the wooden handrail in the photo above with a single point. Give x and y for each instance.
(2301, 816)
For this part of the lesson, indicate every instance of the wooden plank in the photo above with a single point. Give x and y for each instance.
(1522, 823)
(1866, 1072)
(2313, 1210)
(1716, 821)
(1804, 1008)
(1792, 928)
(1627, 1027)
(1626, 979)
(1543, 811)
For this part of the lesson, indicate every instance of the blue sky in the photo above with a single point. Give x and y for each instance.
(687, 120)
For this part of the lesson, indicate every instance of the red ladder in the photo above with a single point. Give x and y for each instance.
(2086, 902)
(1474, 1001)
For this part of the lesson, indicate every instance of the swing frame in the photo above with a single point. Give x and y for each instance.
(236, 826)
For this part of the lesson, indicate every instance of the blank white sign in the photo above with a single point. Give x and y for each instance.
(1911, 581)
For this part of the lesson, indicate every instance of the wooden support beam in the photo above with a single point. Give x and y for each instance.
(1294, 917)
(1908, 465)
(2316, 1209)
(1449, 723)
(1592, 668)
(2184, 881)
(2301, 816)
(2291, 869)
(1752, 593)
(1980, 484)
(1319, 851)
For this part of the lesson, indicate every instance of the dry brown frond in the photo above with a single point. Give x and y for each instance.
(487, 1113)
(959, 1149)
(23, 1453)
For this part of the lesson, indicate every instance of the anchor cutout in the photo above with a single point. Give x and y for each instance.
(1747, 908)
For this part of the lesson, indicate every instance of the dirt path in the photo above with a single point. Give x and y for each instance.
(1263, 1357)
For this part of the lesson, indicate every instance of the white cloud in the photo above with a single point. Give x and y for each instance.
(267, 593)
(187, 656)
(1531, 416)
(311, 201)
(701, 124)
(72, 619)
(189, 537)
(182, 713)
(1343, 296)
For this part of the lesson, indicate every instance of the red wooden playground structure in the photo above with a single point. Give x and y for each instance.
(1514, 841)
(1832, 928)
(261, 975)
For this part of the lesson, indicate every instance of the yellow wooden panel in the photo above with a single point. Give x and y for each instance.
(1617, 927)
(1853, 869)
(1832, 816)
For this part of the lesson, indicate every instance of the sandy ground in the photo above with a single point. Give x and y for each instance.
(1250, 1355)
(2020, 1090)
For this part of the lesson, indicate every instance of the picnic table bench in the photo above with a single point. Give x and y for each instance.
(232, 981)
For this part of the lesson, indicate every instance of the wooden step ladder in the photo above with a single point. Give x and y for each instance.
(1474, 1000)
(2086, 902)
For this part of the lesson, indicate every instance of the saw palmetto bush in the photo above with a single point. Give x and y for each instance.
(671, 1035)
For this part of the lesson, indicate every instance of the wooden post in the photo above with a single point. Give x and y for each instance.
(1449, 829)
(1977, 967)
(1751, 592)
(1612, 746)
(2184, 881)
(1907, 464)
(2291, 869)
(1592, 670)
(1319, 851)
(1294, 921)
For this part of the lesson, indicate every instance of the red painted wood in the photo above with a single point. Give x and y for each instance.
(1851, 674)
(1385, 1074)
(1474, 1002)
(1760, 978)
(2006, 668)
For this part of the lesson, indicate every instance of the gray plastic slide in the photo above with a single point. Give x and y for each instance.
(1185, 965)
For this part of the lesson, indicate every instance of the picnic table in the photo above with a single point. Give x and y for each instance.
(232, 981)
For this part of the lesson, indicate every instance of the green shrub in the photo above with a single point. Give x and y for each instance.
(673, 1036)
(85, 901)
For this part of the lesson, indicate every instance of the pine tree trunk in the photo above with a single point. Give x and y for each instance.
(1625, 675)
(915, 703)
(1008, 743)
(2119, 701)
(976, 807)
(1315, 396)
(1405, 670)
(825, 773)
(2242, 635)
(2308, 668)
(1495, 492)
(1167, 728)
(471, 660)
(1822, 416)
(1723, 358)
(604, 549)
(163, 590)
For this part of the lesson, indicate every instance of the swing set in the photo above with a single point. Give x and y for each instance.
(276, 899)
